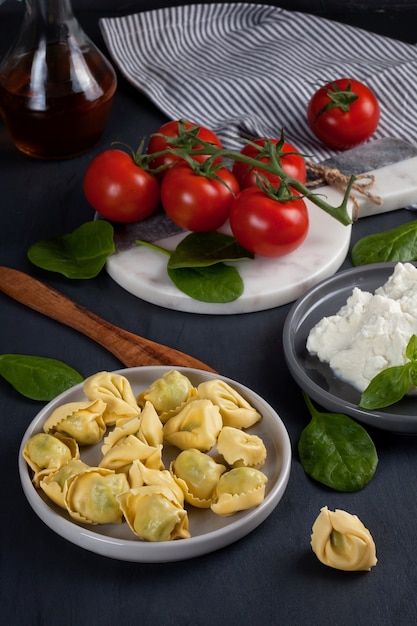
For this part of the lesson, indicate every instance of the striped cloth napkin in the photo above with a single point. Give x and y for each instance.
(249, 70)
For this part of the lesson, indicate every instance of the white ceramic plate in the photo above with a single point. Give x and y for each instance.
(316, 378)
(209, 532)
(268, 282)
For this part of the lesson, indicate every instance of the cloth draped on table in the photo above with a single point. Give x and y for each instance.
(249, 70)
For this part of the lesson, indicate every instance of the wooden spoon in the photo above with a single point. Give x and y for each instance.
(131, 349)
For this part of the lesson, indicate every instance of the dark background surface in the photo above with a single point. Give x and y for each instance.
(395, 19)
(269, 577)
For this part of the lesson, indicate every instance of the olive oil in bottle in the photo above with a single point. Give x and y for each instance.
(56, 87)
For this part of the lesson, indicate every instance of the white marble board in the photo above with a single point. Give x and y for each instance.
(268, 283)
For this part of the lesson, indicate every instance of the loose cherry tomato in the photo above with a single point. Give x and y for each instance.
(268, 227)
(196, 202)
(118, 189)
(344, 113)
(292, 164)
(175, 130)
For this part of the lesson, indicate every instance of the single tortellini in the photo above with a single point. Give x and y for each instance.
(197, 425)
(197, 474)
(238, 489)
(115, 390)
(150, 429)
(91, 496)
(46, 453)
(168, 393)
(123, 429)
(154, 514)
(238, 448)
(147, 427)
(234, 409)
(121, 456)
(82, 420)
(340, 540)
(54, 484)
(140, 475)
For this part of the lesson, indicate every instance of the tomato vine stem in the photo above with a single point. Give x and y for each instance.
(218, 158)
(340, 213)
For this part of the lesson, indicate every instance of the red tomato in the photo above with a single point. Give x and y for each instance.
(173, 129)
(343, 113)
(292, 164)
(118, 189)
(196, 202)
(268, 227)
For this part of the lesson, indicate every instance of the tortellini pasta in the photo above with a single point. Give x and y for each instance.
(150, 429)
(239, 448)
(340, 540)
(123, 429)
(54, 484)
(238, 489)
(211, 462)
(140, 475)
(197, 473)
(128, 442)
(168, 393)
(197, 425)
(81, 420)
(121, 456)
(154, 514)
(234, 409)
(91, 495)
(116, 392)
(45, 454)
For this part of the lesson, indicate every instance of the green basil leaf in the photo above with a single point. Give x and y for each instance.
(386, 388)
(217, 283)
(80, 254)
(412, 372)
(205, 249)
(38, 378)
(336, 451)
(411, 349)
(395, 244)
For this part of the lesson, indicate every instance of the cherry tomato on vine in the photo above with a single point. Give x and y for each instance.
(344, 113)
(292, 164)
(174, 130)
(268, 227)
(119, 189)
(196, 202)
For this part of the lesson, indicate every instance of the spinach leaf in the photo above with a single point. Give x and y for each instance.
(204, 249)
(80, 254)
(386, 388)
(197, 268)
(411, 349)
(216, 283)
(392, 383)
(336, 451)
(395, 244)
(37, 378)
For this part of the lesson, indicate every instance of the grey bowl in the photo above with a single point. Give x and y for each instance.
(316, 378)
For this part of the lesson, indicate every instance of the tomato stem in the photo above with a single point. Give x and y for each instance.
(275, 153)
(339, 99)
(340, 213)
(153, 246)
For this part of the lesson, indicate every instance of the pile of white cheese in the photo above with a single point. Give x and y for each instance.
(371, 331)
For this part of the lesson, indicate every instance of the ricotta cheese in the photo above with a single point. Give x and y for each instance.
(371, 331)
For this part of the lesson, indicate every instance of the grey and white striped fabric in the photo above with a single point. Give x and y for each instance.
(248, 70)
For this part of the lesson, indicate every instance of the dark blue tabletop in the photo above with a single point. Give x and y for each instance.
(269, 577)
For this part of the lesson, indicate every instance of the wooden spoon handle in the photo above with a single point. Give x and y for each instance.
(130, 349)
